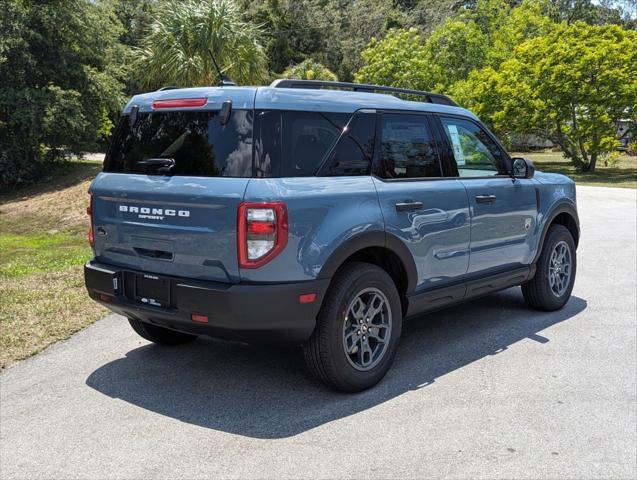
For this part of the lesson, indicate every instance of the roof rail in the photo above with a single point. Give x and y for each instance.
(171, 87)
(363, 87)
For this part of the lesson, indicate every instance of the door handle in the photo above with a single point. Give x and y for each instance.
(485, 198)
(404, 206)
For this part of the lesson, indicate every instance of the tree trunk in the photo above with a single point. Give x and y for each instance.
(565, 143)
(580, 142)
(583, 153)
(590, 168)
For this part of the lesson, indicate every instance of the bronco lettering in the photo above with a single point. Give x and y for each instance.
(157, 213)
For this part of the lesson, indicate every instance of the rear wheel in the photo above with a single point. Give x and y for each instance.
(358, 329)
(160, 335)
(553, 283)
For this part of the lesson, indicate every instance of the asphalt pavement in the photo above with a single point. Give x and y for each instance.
(490, 389)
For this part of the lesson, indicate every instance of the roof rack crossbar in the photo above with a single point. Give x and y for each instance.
(363, 87)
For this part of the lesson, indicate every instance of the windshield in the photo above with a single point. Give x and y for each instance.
(196, 141)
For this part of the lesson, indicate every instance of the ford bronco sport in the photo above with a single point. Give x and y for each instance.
(317, 213)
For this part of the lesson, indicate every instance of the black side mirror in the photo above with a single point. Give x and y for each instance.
(523, 168)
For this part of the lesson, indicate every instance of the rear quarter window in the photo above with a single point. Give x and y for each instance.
(293, 144)
(353, 152)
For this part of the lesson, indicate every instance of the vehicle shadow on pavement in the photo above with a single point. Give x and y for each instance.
(266, 392)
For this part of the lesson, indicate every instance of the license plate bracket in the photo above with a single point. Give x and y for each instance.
(152, 290)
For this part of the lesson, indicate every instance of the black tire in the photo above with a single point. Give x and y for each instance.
(160, 335)
(325, 353)
(538, 293)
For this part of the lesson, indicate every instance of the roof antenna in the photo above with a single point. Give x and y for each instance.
(224, 80)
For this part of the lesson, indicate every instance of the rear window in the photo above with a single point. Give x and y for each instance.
(292, 144)
(196, 141)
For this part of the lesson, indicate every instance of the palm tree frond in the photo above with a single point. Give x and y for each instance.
(177, 49)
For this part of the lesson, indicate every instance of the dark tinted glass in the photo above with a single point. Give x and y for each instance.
(198, 143)
(407, 149)
(352, 155)
(293, 144)
(474, 152)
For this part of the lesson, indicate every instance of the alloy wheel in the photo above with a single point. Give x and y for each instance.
(560, 267)
(367, 329)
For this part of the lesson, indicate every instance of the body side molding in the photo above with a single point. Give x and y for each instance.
(439, 298)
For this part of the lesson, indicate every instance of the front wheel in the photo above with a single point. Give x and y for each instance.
(553, 283)
(358, 329)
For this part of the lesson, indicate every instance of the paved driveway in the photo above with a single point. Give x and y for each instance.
(489, 389)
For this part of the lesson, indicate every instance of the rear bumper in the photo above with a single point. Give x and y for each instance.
(247, 312)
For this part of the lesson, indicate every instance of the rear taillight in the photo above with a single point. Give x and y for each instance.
(262, 232)
(89, 212)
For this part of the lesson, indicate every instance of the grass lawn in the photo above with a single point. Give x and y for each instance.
(623, 174)
(43, 245)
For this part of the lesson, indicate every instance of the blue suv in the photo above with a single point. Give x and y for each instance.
(317, 213)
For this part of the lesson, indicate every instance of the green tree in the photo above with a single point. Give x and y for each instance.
(452, 51)
(177, 49)
(136, 17)
(351, 26)
(61, 71)
(598, 12)
(289, 32)
(309, 70)
(571, 86)
(426, 15)
(332, 32)
(397, 60)
(483, 35)
(521, 23)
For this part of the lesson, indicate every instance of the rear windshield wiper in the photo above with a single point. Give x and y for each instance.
(165, 166)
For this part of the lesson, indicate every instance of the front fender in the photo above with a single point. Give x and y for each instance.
(566, 206)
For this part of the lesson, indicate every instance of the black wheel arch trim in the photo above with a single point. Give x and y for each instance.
(367, 240)
(562, 207)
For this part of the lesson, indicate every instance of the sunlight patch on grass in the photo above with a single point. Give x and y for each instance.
(22, 255)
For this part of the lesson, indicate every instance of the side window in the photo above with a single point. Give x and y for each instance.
(475, 154)
(292, 144)
(352, 155)
(407, 148)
